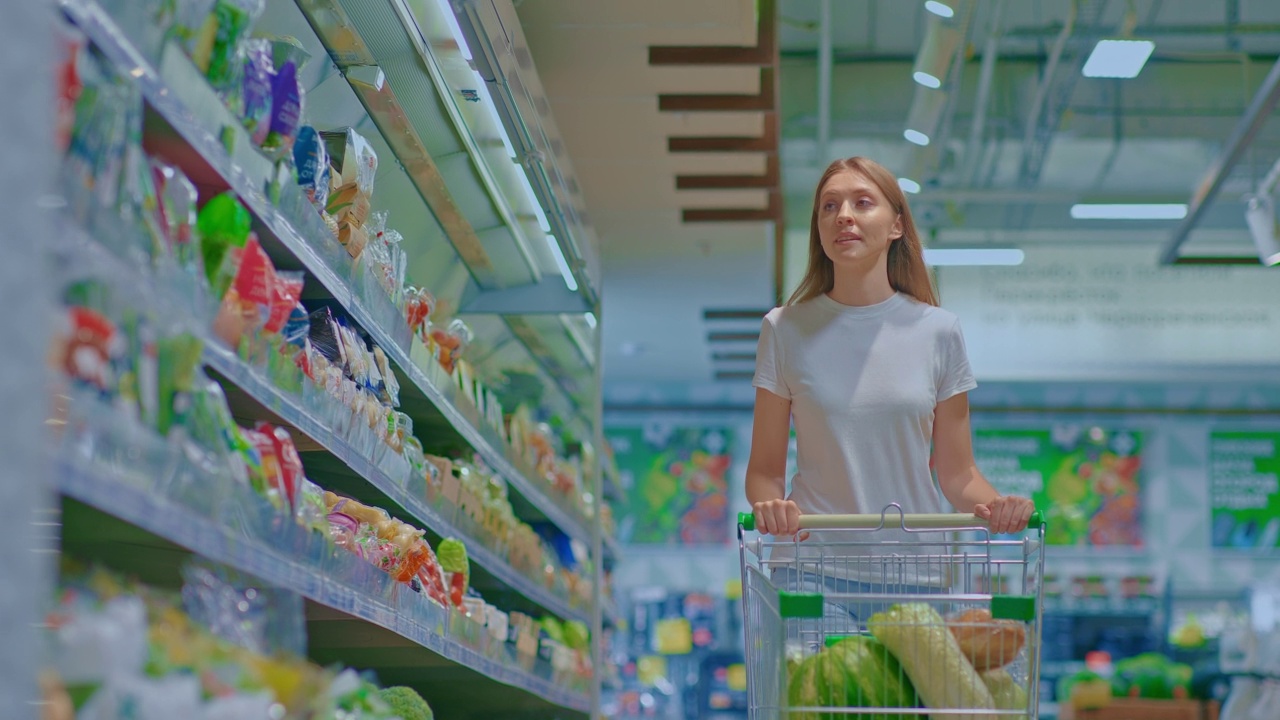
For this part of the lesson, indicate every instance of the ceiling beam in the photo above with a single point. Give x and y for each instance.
(763, 53)
(718, 102)
(766, 143)
(768, 180)
(771, 213)
(1264, 101)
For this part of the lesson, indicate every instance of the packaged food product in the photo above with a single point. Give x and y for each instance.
(451, 341)
(176, 208)
(290, 474)
(287, 94)
(285, 293)
(987, 643)
(266, 472)
(218, 40)
(419, 304)
(246, 305)
(71, 44)
(311, 158)
(177, 361)
(355, 166)
(257, 82)
(223, 224)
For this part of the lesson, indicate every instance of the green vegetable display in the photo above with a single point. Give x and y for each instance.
(407, 703)
(1152, 676)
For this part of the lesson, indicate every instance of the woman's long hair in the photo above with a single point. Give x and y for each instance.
(907, 271)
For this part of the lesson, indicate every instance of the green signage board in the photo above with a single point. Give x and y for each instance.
(1086, 480)
(676, 479)
(1244, 492)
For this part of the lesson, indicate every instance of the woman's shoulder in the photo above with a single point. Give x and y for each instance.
(931, 317)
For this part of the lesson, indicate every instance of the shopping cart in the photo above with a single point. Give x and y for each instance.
(894, 616)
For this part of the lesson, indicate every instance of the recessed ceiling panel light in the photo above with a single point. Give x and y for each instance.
(1118, 58)
(940, 9)
(959, 257)
(909, 185)
(1121, 211)
(927, 80)
(916, 137)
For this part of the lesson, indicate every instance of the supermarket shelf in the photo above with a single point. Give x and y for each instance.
(433, 390)
(292, 413)
(390, 481)
(150, 512)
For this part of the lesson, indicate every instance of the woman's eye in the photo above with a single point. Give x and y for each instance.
(865, 202)
(829, 206)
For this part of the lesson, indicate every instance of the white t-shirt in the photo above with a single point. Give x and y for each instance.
(863, 384)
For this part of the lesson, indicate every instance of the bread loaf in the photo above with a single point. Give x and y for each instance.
(986, 642)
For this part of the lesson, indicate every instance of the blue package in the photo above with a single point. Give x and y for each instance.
(311, 158)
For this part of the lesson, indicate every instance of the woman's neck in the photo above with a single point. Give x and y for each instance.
(858, 287)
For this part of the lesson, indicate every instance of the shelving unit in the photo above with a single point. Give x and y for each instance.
(369, 622)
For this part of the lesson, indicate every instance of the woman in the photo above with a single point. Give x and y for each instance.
(871, 370)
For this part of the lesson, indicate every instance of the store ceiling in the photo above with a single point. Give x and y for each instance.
(1149, 139)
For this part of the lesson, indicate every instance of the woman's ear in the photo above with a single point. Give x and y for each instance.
(895, 232)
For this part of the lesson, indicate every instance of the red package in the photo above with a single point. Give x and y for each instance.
(286, 291)
(256, 277)
(91, 343)
(291, 473)
(271, 483)
(432, 578)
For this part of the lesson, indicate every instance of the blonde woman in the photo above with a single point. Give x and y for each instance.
(872, 371)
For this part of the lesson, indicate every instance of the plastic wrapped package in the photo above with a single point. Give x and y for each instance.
(287, 95)
(451, 341)
(257, 79)
(176, 208)
(243, 611)
(311, 159)
(215, 47)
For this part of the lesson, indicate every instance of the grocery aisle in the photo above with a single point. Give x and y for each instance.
(293, 479)
(398, 355)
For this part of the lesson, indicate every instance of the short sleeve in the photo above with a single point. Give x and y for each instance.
(769, 361)
(956, 376)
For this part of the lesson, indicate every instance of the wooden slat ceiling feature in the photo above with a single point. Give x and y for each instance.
(770, 179)
(766, 143)
(765, 55)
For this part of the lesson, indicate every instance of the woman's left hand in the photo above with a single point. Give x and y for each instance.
(1006, 514)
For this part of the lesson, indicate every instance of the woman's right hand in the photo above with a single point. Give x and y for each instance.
(777, 517)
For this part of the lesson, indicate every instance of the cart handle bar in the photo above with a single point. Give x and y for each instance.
(914, 521)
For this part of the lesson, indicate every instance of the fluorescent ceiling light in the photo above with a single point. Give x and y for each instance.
(591, 319)
(927, 80)
(1149, 211)
(482, 89)
(916, 137)
(569, 280)
(446, 8)
(1118, 58)
(909, 185)
(940, 9)
(533, 198)
(957, 257)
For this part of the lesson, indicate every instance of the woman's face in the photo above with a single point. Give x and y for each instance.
(856, 223)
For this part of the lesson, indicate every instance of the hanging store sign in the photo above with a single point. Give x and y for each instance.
(1244, 489)
(1091, 313)
(1087, 481)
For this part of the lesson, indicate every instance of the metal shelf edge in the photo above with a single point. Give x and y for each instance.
(210, 540)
